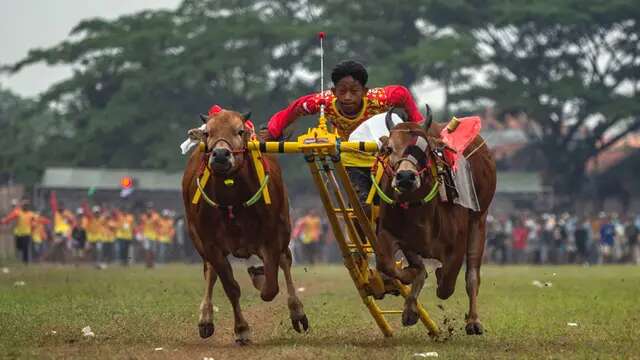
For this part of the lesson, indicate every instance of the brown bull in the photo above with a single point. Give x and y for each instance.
(433, 229)
(227, 227)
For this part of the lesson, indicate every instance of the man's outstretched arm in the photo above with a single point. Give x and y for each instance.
(303, 106)
(400, 96)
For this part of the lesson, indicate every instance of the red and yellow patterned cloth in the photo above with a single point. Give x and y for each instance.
(376, 101)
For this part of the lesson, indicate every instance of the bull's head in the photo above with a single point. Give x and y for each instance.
(225, 137)
(408, 149)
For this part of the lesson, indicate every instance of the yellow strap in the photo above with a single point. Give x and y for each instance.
(256, 156)
(203, 181)
(372, 191)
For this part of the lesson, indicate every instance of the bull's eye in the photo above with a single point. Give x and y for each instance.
(241, 132)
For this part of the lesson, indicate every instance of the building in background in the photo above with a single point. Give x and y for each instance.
(123, 188)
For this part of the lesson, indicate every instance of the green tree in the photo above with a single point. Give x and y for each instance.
(23, 137)
(573, 66)
(140, 81)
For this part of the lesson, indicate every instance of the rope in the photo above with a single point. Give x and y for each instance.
(252, 200)
(476, 149)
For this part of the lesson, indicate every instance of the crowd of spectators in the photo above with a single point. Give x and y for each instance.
(98, 234)
(565, 238)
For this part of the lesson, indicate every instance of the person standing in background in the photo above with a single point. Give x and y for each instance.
(124, 235)
(63, 222)
(165, 235)
(307, 232)
(581, 236)
(149, 223)
(93, 229)
(109, 225)
(607, 240)
(79, 235)
(631, 232)
(519, 235)
(23, 217)
(39, 235)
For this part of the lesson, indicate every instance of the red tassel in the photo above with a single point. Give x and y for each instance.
(214, 110)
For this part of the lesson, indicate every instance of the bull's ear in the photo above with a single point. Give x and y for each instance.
(428, 117)
(197, 134)
(204, 118)
(384, 145)
(246, 116)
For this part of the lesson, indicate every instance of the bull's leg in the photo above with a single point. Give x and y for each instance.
(205, 322)
(474, 260)
(270, 287)
(410, 312)
(448, 273)
(232, 289)
(385, 262)
(296, 309)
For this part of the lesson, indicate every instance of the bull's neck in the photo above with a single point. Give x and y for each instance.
(414, 196)
(237, 187)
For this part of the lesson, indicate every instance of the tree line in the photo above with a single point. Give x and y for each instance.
(140, 80)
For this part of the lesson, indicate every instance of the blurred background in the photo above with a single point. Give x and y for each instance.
(95, 98)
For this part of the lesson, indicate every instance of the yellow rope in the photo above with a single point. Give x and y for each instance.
(476, 149)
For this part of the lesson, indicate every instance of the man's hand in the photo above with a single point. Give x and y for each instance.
(264, 135)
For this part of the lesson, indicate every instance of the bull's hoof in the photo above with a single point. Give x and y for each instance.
(269, 294)
(206, 330)
(474, 328)
(302, 321)
(409, 317)
(242, 339)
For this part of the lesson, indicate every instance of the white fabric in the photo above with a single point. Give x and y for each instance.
(373, 128)
(463, 180)
(190, 143)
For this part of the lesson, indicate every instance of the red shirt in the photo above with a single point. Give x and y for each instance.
(376, 101)
(519, 235)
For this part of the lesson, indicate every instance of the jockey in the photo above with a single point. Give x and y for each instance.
(347, 105)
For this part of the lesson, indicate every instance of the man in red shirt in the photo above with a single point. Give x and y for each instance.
(347, 105)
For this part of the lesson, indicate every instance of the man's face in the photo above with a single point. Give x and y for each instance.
(349, 93)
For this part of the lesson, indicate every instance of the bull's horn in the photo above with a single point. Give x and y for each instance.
(204, 118)
(388, 118)
(246, 116)
(428, 117)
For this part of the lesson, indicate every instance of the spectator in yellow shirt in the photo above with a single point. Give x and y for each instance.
(39, 235)
(165, 235)
(124, 234)
(22, 216)
(149, 223)
(307, 232)
(108, 226)
(63, 221)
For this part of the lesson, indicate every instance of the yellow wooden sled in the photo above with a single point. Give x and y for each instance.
(351, 227)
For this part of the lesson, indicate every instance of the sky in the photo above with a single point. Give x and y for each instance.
(28, 24)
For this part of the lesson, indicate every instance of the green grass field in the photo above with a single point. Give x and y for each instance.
(133, 311)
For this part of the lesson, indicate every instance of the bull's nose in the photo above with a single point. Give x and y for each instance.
(405, 178)
(221, 155)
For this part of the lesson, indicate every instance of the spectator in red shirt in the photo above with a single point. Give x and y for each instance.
(519, 234)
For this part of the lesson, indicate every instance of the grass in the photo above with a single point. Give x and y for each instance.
(133, 311)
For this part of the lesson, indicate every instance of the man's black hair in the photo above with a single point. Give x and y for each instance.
(350, 68)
